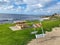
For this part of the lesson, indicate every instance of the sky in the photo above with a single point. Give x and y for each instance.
(35, 7)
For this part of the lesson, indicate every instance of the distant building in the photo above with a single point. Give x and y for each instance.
(56, 14)
(46, 18)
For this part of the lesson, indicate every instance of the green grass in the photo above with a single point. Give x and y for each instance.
(9, 37)
(48, 25)
(22, 37)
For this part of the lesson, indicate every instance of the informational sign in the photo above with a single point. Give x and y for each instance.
(40, 35)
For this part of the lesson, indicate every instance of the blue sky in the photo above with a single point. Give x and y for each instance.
(35, 7)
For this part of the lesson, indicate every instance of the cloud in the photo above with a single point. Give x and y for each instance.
(18, 2)
(9, 7)
(52, 9)
(6, 8)
(33, 7)
(6, 1)
(58, 3)
(30, 6)
(36, 4)
(36, 1)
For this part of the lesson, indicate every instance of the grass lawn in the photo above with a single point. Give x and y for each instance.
(22, 37)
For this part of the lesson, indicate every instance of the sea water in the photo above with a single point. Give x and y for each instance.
(9, 18)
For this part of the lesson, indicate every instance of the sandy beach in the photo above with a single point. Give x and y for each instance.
(51, 38)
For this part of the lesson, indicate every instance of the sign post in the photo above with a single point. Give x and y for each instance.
(40, 35)
(35, 32)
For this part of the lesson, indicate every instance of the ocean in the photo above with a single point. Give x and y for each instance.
(9, 18)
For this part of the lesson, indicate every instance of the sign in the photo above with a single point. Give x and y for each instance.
(40, 35)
